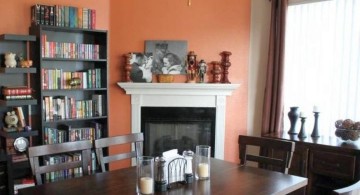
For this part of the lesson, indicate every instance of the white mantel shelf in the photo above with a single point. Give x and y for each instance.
(181, 95)
(178, 88)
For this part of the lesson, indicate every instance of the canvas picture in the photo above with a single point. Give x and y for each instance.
(141, 64)
(169, 56)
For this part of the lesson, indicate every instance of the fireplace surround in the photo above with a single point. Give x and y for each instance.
(181, 95)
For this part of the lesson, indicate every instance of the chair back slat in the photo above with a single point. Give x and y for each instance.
(136, 139)
(38, 153)
(285, 147)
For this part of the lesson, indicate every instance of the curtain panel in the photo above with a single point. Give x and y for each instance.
(272, 120)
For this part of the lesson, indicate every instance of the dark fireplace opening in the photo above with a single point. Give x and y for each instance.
(181, 128)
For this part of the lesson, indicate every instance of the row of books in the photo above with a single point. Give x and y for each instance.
(68, 173)
(64, 107)
(64, 16)
(65, 133)
(16, 92)
(51, 49)
(60, 79)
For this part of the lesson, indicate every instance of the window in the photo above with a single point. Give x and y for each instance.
(322, 62)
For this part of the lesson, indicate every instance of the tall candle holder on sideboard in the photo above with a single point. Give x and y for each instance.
(315, 132)
(302, 133)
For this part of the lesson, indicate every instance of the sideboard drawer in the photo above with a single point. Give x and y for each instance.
(341, 166)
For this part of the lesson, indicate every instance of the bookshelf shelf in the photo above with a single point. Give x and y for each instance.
(10, 103)
(17, 70)
(74, 120)
(18, 134)
(75, 60)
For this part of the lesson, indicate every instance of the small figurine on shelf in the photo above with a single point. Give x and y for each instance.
(10, 61)
(23, 62)
(11, 119)
(191, 67)
(202, 68)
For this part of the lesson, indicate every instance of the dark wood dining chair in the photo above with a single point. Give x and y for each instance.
(280, 159)
(353, 189)
(100, 144)
(38, 154)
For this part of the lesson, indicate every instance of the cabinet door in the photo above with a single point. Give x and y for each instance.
(299, 161)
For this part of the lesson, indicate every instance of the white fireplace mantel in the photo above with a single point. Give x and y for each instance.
(181, 95)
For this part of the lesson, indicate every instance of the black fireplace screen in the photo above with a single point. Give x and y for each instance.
(181, 128)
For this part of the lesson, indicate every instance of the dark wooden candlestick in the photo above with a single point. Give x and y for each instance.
(315, 132)
(127, 67)
(225, 63)
(302, 133)
(216, 71)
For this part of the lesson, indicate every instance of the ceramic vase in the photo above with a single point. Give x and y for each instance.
(293, 115)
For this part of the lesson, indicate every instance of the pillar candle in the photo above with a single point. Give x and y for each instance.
(302, 114)
(316, 109)
(146, 185)
(203, 170)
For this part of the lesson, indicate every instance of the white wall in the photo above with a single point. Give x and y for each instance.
(259, 39)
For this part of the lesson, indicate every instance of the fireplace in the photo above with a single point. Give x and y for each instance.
(181, 128)
(181, 95)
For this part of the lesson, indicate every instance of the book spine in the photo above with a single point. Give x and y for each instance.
(20, 114)
(42, 14)
(52, 16)
(93, 19)
(46, 15)
(35, 14)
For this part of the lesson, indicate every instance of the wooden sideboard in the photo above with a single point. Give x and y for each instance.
(327, 162)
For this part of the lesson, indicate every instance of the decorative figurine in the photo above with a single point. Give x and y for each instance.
(202, 68)
(225, 63)
(11, 119)
(127, 67)
(191, 67)
(10, 61)
(216, 71)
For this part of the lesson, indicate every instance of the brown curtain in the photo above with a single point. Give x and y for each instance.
(273, 100)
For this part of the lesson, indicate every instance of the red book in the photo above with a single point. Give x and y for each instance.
(19, 90)
(93, 19)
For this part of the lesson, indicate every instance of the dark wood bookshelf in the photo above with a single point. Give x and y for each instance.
(20, 45)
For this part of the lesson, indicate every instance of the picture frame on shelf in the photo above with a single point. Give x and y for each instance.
(169, 56)
(141, 65)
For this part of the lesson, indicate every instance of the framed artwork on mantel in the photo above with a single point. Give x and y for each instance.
(141, 67)
(169, 56)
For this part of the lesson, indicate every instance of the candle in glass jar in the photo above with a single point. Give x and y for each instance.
(203, 170)
(146, 185)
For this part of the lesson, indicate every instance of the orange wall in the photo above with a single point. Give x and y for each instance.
(209, 26)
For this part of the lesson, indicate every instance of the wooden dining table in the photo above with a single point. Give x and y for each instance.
(226, 178)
